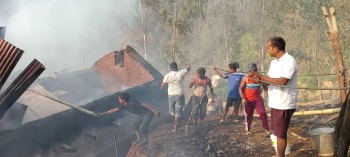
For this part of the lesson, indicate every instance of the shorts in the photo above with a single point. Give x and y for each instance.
(233, 101)
(199, 106)
(280, 120)
(176, 104)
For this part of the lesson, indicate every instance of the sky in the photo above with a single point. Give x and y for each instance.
(65, 34)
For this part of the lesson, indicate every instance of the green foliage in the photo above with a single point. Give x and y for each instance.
(247, 49)
(307, 81)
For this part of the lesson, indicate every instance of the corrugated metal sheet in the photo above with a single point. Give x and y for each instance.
(38, 105)
(19, 85)
(9, 56)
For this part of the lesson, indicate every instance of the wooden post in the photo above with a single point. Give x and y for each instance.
(341, 134)
(333, 36)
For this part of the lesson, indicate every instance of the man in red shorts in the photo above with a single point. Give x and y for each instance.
(282, 100)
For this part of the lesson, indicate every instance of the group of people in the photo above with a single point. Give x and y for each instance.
(242, 89)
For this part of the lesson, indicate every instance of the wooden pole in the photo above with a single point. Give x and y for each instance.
(312, 112)
(116, 145)
(333, 36)
(341, 132)
(67, 104)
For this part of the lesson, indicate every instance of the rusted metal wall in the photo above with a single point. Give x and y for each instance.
(20, 85)
(9, 56)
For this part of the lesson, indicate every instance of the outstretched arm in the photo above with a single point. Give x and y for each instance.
(156, 113)
(218, 73)
(110, 111)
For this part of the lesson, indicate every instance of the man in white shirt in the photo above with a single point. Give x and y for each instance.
(282, 100)
(175, 79)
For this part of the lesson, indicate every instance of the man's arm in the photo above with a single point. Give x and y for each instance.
(211, 90)
(162, 85)
(242, 87)
(110, 111)
(218, 73)
(279, 81)
(258, 76)
(192, 83)
(156, 113)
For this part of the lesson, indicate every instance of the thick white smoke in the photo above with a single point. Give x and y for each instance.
(63, 33)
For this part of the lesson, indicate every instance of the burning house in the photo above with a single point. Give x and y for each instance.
(41, 124)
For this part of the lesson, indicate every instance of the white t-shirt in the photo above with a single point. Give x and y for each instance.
(175, 81)
(279, 97)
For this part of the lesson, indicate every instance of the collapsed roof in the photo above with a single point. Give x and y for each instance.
(46, 121)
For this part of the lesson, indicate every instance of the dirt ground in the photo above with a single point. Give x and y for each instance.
(227, 140)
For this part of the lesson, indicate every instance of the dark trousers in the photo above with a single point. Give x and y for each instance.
(199, 111)
(259, 106)
(142, 124)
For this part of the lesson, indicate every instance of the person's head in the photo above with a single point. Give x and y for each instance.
(201, 71)
(173, 66)
(232, 67)
(237, 65)
(123, 97)
(252, 67)
(276, 46)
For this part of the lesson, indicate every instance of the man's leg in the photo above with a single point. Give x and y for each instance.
(195, 109)
(249, 109)
(280, 120)
(229, 102)
(236, 103)
(172, 110)
(203, 109)
(136, 129)
(281, 146)
(178, 111)
(145, 127)
(260, 108)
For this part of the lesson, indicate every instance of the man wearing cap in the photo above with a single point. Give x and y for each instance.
(175, 79)
(282, 100)
(233, 98)
(251, 99)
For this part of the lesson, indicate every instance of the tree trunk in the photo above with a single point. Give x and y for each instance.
(226, 47)
(144, 29)
(317, 67)
(174, 30)
(262, 38)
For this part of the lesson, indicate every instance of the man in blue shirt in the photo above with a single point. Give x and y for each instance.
(233, 96)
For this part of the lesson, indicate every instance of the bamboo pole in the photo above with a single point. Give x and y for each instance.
(313, 112)
(67, 104)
